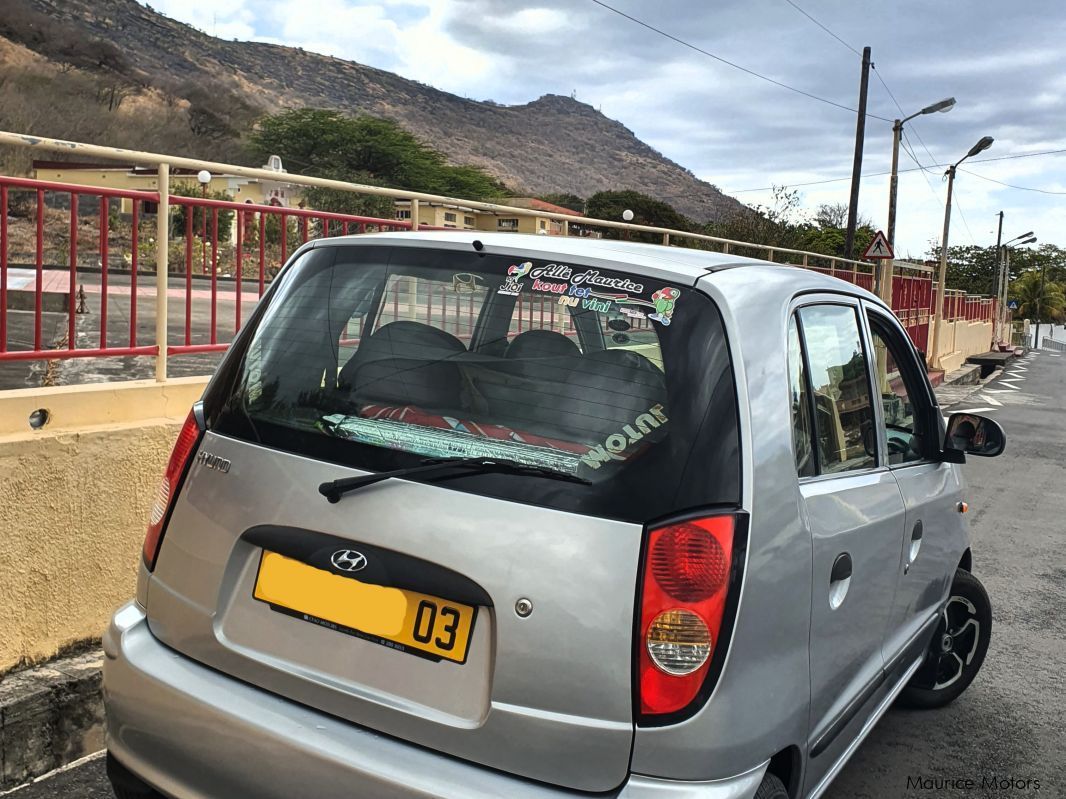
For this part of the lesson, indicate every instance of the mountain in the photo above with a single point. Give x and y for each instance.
(553, 144)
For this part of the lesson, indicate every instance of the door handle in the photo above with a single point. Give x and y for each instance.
(916, 544)
(839, 580)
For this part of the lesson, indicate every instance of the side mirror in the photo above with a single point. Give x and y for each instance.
(973, 435)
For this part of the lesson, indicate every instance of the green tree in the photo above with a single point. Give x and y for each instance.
(200, 215)
(976, 269)
(565, 200)
(1038, 298)
(365, 149)
(646, 211)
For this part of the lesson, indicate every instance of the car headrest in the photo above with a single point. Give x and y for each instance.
(408, 362)
(541, 344)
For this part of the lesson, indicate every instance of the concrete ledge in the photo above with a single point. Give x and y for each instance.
(72, 408)
(988, 362)
(965, 375)
(51, 301)
(50, 716)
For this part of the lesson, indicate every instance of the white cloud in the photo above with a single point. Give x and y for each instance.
(1004, 64)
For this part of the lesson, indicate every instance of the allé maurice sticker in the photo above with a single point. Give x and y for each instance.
(591, 291)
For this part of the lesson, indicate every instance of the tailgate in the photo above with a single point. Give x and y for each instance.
(547, 696)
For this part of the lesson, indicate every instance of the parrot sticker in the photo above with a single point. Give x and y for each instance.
(664, 300)
(515, 272)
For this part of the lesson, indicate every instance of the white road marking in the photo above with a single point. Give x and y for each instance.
(1000, 390)
(972, 410)
(989, 400)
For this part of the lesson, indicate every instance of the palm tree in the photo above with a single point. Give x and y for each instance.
(1039, 299)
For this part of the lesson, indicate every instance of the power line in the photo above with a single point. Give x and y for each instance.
(823, 27)
(962, 216)
(727, 62)
(1011, 185)
(901, 171)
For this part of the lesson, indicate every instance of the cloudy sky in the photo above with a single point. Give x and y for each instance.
(1003, 62)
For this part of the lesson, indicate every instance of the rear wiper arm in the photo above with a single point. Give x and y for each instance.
(335, 489)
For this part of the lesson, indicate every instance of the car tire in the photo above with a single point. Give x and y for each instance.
(125, 784)
(957, 649)
(771, 788)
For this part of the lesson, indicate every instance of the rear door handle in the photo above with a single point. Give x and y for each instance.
(839, 580)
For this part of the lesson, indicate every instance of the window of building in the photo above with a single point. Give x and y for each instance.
(403, 214)
(837, 368)
(543, 224)
(449, 217)
(468, 221)
(507, 224)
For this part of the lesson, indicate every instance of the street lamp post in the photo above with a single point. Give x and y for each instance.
(1003, 282)
(938, 309)
(885, 276)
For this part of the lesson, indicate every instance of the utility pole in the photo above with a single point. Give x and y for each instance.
(884, 274)
(997, 330)
(1040, 304)
(856, 169)
(938, 308)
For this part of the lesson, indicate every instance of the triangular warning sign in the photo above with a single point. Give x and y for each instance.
(879, 248)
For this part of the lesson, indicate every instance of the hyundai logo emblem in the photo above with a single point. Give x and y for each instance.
(348, 560)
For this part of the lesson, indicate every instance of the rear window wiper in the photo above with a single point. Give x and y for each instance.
(335, 489)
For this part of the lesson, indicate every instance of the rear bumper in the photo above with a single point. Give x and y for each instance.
(194, 733)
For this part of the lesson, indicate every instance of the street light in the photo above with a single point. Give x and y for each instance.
(942, 107)
(938, 310)
(1002, 276)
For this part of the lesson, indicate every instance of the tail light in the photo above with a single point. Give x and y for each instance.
(184, 447)
(687, 568)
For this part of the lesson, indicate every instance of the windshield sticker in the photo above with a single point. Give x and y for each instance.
(592, 291)
(411, 429)
(616, 444)
(465, 283)
(515, 272)
(664, 300)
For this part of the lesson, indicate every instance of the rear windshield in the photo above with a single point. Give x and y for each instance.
(380, 357)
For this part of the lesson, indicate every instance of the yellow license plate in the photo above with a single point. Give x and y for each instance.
(405, 620)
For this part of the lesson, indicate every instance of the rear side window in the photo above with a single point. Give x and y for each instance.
(381, 357)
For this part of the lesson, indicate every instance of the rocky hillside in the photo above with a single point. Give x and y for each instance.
(553, 144)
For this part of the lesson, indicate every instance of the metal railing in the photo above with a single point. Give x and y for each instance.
(208, 253)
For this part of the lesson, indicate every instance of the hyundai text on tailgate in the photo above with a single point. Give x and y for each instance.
(526, 516)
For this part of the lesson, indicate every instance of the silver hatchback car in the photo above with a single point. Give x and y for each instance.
(476, 515)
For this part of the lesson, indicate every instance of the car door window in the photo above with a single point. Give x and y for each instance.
(800, 402)
(902, 420)
(843, 411)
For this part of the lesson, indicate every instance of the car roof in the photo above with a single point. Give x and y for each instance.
(679, 264)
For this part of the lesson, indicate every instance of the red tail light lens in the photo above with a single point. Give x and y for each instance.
(168, 488)
(686, 583)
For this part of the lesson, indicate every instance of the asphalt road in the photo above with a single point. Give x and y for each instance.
(1010, 725)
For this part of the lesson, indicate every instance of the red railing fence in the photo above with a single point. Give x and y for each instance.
(68, 250)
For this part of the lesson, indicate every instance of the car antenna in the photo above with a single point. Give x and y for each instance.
(478, 245)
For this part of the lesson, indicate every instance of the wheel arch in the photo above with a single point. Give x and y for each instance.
(785, 765)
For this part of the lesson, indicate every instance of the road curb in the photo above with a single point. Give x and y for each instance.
(50, 716)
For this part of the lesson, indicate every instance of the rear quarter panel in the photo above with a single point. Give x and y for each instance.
(761, 702)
